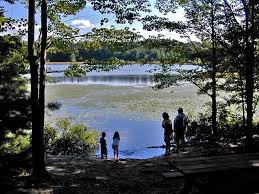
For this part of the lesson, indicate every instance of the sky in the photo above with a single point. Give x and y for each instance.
(87, 19)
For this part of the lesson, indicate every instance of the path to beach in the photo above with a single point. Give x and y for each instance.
(84, 175)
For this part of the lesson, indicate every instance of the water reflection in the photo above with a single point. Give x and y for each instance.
(128, 75)
(113, 80)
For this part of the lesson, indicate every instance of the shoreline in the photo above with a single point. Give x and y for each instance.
(82, 62)
(63, 63)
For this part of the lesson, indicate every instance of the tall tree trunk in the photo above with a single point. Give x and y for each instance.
(214, 66)
(249, 67)
(42, 81)
(39, 169)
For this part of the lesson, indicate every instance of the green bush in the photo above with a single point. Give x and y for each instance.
(68, 138)
(15, 143)
(199, 131)
(230, 128)
(51, 135)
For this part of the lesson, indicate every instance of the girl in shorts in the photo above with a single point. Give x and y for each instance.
(115, 145)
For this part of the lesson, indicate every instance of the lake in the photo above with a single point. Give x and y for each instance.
(121, 100)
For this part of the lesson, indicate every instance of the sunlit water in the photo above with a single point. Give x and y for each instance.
(136, 134)
(130, 75)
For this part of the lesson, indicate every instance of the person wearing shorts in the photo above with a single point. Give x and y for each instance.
(115, 145)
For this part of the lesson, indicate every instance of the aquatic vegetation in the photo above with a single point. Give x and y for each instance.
(129, 101)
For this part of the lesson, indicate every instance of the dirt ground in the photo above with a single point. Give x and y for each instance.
(83, 175)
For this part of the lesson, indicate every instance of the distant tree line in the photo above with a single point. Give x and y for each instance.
(135, 52)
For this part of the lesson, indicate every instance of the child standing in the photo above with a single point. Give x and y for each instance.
(103, 146)
(115, 145)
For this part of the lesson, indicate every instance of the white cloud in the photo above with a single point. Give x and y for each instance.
(82, 24)
(165, 33)
(17, 28)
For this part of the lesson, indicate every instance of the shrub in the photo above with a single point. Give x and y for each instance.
(199, 131)
(230, 127)
(15, 143)
(68, 138)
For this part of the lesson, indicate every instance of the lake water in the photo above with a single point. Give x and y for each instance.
(130, 75)
(137, 131)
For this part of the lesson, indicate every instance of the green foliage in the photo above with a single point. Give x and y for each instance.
(199, 131)
(54, 106)
(15, 109)
(76, 70)
(63, 36)
(15, 143)
(68, 138)
(230, 126)
(124, 10)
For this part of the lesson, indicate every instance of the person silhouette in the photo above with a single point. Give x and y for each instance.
(180, 123)
(168, 131)
(115, 145)
(103, 146)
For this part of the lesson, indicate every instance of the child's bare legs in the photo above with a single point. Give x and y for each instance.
(116, 153)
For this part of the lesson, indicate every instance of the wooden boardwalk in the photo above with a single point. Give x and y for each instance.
(217, 163)
(190, 166)
(234, 173)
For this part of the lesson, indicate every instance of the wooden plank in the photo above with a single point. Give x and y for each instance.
(219, 162)
(230, 163)
(215, 166)
(202, 168)
(199, 171)
(197, 166)
(208, 160)
(220, 157)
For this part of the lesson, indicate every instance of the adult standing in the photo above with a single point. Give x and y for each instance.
(168, 130)
(180, 123)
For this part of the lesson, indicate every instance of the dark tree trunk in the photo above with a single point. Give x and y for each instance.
(42, 66)
(213, 74)
(249, 67)
(42, 80)
(39, 169)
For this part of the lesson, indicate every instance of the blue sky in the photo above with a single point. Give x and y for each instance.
(87, 19)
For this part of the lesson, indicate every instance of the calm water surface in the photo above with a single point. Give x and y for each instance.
(136, 134)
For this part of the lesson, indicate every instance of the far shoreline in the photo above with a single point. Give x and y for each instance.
(63, 63)
(67, 63)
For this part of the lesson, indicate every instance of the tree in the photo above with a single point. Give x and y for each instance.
(38, 162)
(124, 11)
(241, 40)
(203, 20)
(229, 30)
(15, 110)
